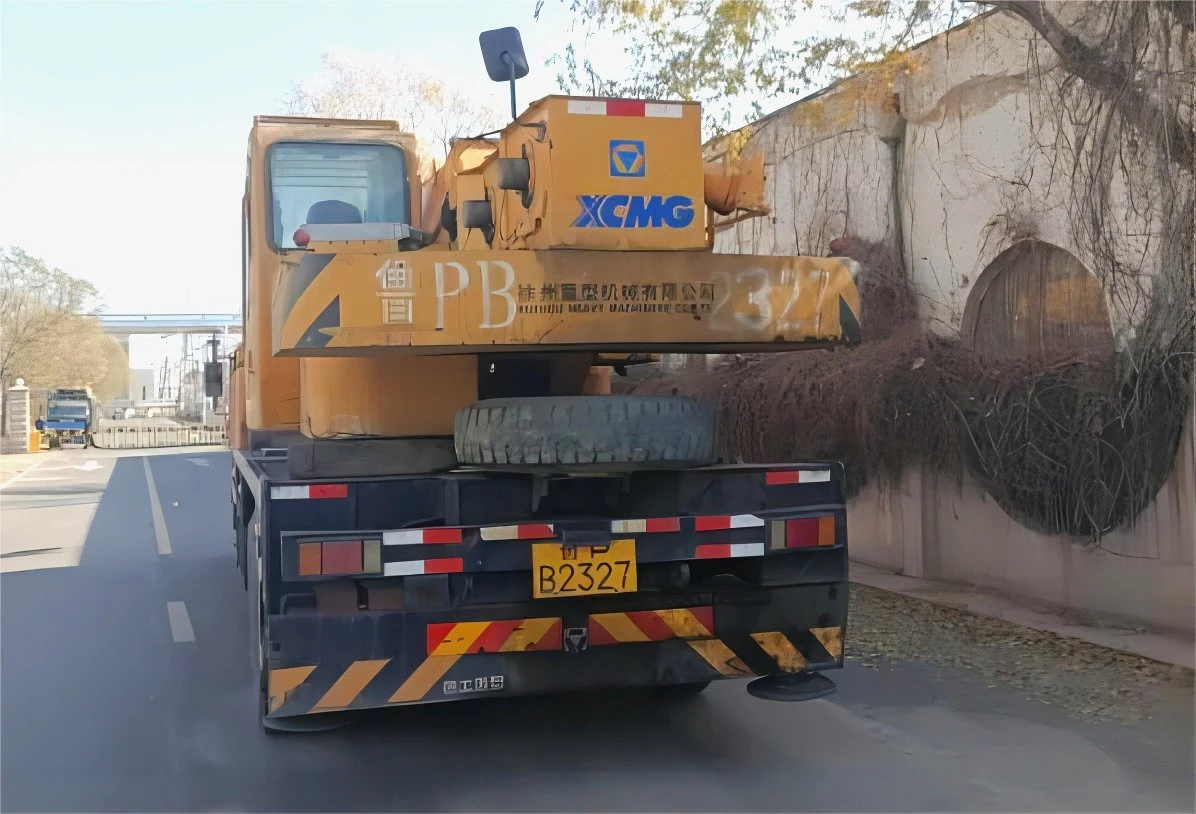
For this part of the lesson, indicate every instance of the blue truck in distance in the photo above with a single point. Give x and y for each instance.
(71, 414)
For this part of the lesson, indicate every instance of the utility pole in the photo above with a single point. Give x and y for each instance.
(209, 402)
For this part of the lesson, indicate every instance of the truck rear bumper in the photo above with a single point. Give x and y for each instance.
(330, 662)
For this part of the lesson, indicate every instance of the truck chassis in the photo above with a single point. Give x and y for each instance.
(426, 587)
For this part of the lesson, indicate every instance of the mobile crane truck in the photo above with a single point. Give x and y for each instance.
(435, 494)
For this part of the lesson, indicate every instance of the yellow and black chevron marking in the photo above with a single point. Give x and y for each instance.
(782, 651)
(466, 657)
(446, 644)
(287, 684)
(720, 657)
(772, 651)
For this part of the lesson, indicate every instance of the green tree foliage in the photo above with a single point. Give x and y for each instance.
(49, 333)
(737, 56)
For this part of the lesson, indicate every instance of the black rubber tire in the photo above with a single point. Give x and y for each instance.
(607, 431)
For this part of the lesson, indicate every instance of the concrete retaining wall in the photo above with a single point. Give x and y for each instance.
(927, 526)
(959, 164)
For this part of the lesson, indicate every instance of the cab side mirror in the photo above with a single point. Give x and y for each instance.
(502, 51)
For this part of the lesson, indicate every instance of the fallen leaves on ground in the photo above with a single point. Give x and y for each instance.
(1090, 682)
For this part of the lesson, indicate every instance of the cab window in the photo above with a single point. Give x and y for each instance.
(335, 183)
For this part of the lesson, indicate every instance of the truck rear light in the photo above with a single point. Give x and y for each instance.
(301, 238)
(340, 558)
(309, 559)
(808, 532)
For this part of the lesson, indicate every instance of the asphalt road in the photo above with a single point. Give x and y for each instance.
(105, 707)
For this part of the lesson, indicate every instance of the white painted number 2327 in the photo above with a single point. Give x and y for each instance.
(760, 298)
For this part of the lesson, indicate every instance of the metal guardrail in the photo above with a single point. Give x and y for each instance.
(161, 436)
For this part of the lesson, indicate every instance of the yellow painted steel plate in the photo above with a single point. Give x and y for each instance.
(337, 302)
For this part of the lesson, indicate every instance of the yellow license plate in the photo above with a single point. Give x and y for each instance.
(583, 570)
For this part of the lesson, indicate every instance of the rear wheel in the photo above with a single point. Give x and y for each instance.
(644, 431)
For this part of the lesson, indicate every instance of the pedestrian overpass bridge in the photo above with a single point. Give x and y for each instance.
(125, 325)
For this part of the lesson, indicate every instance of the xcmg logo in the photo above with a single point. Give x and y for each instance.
(634, 211)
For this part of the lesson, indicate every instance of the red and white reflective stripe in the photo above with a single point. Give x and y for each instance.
(313, 491)
(625, 107)
(651, 525)
(448, 565)
(722, 522)
(722, 551)
(525, 531)
(785, 478)
(438, 536)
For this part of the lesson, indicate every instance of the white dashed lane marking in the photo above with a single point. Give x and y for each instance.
(180, 622)
(161, 535)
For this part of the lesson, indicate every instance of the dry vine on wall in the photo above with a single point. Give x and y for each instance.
(1071, 445)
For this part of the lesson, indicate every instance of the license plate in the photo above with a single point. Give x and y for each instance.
(583, 570)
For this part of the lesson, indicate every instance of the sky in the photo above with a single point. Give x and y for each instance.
(123, 125)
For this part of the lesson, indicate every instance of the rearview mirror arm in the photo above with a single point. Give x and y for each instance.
(506, 57)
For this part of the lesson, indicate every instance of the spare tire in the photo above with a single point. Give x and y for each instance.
(606, 431)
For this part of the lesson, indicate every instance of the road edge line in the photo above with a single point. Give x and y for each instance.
(161, 535)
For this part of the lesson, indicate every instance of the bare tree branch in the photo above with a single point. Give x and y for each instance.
(1137, 102)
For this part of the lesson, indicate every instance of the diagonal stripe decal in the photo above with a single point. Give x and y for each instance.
(460, 639)
(830, 638)
(619, 627)
(281, 682)
(423, 679)
(782, 651)
(652, 625)
(685, 623)
(720, 657)
(534, 634)
(683, 631)
(498, 636)
(346, 689)
(495, 636)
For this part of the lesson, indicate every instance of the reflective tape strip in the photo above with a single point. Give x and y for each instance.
(526, 531)
(785, 478)
(446, 565)
(288, 492)
(499, 636)
(656, 110)
(313, 491)
(625, 107)
(722, 551)
(651, 625)
(723, 522)
(651, 525)
(587, 108)
(437, 536)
